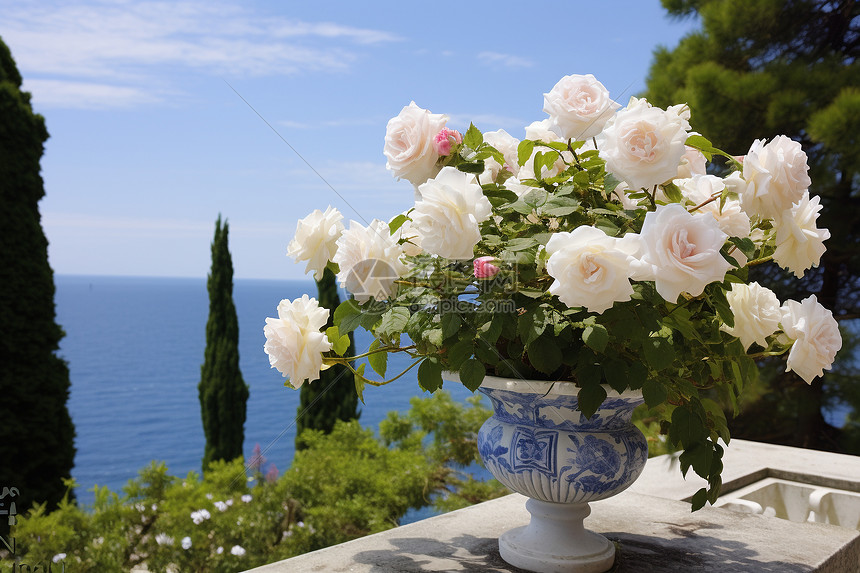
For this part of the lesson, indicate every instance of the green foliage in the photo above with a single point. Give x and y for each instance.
(36, 432)
(223, 392)
(333, 396)
(759, 68)
(341, 485)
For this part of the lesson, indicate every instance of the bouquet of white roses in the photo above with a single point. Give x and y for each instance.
(596, 251)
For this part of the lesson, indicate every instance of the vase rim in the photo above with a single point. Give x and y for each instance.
(544, 387)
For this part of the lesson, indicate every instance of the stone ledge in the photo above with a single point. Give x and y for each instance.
(654, 531)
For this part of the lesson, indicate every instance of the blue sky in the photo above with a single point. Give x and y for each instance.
(149, 143)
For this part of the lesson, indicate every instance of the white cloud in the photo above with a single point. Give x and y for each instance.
(82, 95)
(354, 122)
(505, 60)
(137, 46)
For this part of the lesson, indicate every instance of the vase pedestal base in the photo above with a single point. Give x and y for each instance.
(555, 541)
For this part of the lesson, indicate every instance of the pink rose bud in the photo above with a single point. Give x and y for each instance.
(444, 139)
(484, 268)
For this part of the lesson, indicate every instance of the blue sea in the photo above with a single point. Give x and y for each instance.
(135, 346)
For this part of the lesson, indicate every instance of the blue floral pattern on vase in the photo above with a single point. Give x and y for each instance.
(538, 444)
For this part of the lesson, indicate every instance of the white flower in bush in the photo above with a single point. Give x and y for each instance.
(776, 176)
(542, 131)
(693, 162)
(246, 498)
(643, 145)
(200, 516)
(369, 260)
(683, 250)
(757, 313)
(294, 342)
(237, 550)
(815, 334)
(409, 143)
(316, 239)
(448, 213)
(58, 557)
(579, 106)
(506, 144)
(590, 268)
(799, 243)
(219, 550)
(186, 543)
(220, 506)
(730, 217)
(163, 539)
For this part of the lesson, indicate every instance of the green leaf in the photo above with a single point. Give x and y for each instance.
(394, 320)
(473, 137)
(615, 372)
(397, 222)
(472, 373)
(459, 352)
(359, 382)
(521, 244)
(476, 167)
(589, 398)
(698, 456)
(524, 151)
(430, 375)
(718, 417)
(339, 343)
(347, 316)
(702, 144)
(687, 427)
(673, 193)
(595, 337)
(378, 360)
(654, 393)
(745, 245)
(699, 499)
(659, 353)
(545, 355)
(450, 324)
(721, 305)
(433, 336)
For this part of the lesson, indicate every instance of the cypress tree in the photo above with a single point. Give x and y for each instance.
(761, 68)
(223, 392)
(333, 396)
(36, 432)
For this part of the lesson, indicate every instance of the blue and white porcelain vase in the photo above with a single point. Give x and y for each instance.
(538, 444)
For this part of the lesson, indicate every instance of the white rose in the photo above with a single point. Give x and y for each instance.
(693, 162)
(683, 250)
(643, 145)
(316, 240)
(237, 550)
(506, 144)
(369, 260)
(542, 131)
(409, 143)
(579, 106)
(448, 213)
(186, 543)
(730, 217)
(776, 176)
(757, 313)
(590, 268)
(815, 334)
(799, 243)
(294, 342)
